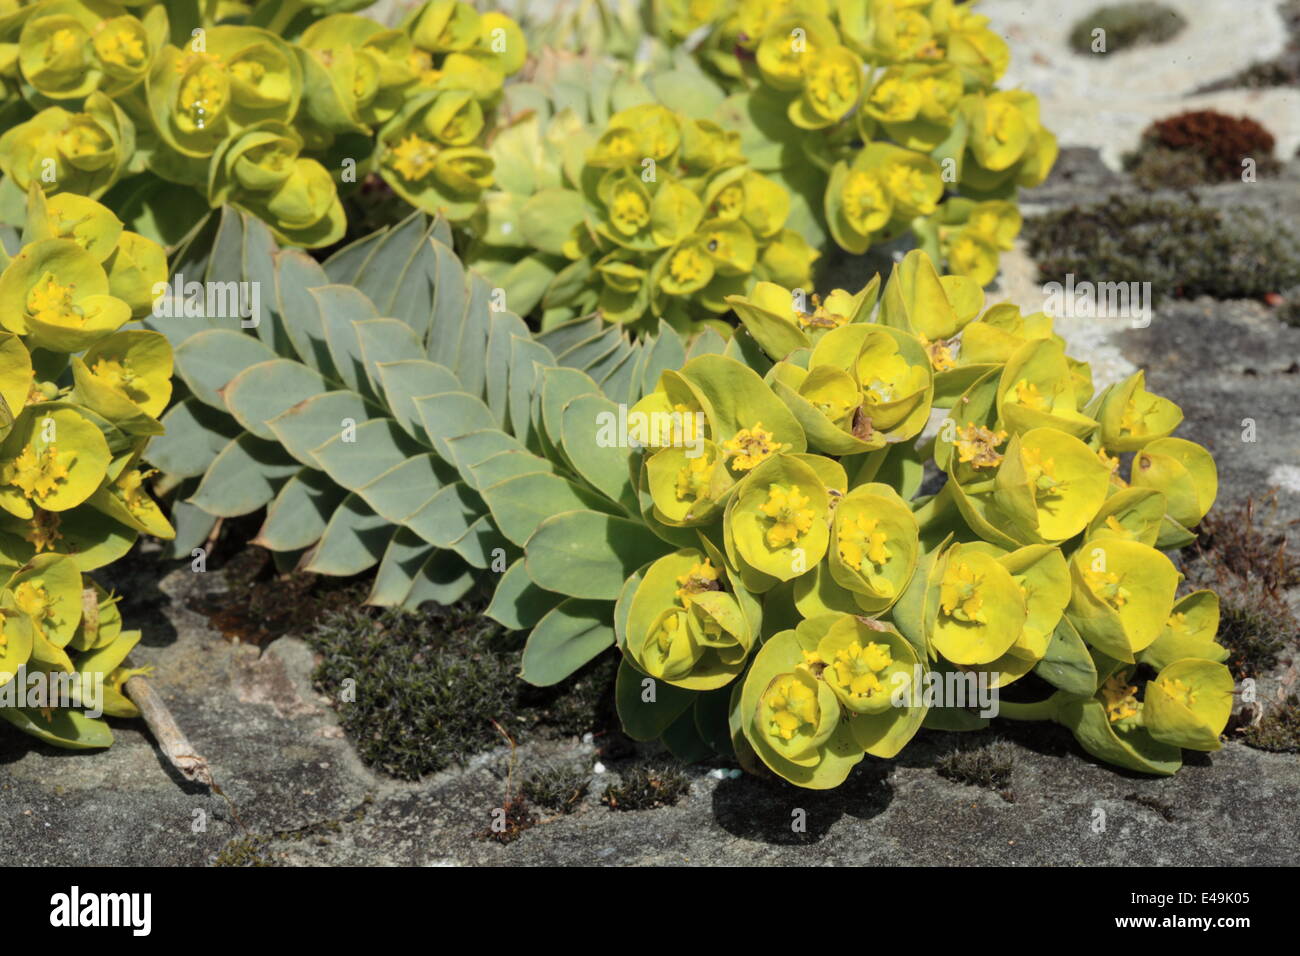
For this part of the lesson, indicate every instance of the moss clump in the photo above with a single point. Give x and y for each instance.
(1251, 627)
(1221, 143)
(558, 788)
(428, 686)
(245, 851)
(255, 849)
(1127, 25)
(1279, 730)
(988, 767)
(1251, 566)
(1184, 249)
(516, 817)
(646, 787)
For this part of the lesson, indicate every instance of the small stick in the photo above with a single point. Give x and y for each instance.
(170, 738)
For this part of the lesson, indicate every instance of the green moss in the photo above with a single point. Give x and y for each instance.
(1184, 249)
(508, 828)
(1127, 25)
(989, 766)
(558, 788)
(1252, 628)
(1243, 556)
(1279, 730)
(429, 684)
(256, 849)
(245, 851)
(646, 787)
(1156, 167)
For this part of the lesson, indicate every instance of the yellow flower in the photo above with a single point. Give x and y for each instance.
(84, 137)
(909, 184)
(42, 532)
(130, 488)
(1112, 464)
(701, 577)
(413, 158)
(860, 542)
(33, 601)
(865, 203)
(629, 210)
(959, 593)
(750, 447)
(1106, 585)
(730, 202)
(204, 91)
(121, 46)
(1177, 689)
(894, 97)
(791, 705)
(35, 472)
(693, 478)
(820, 317)
(856, 669)
(790, 516)
(51, 302)
(1027, 394)
(119, 374)
(1041, 474)
(832, 83)
(689, 265)
(1120, 698)
(976, 444)
(940, 352)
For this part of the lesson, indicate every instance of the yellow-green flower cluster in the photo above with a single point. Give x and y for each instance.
(656, 217)
(800, 488)
(276, 110)
(80, 396)
(894, 99)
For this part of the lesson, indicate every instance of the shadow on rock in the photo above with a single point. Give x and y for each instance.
(771, 811)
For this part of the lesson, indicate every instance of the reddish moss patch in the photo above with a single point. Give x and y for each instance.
(1219, 141)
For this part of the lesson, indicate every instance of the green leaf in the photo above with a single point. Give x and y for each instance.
(517, 603)
(243, 477)
(447, 516)
(643, 719)
(69, 729)
(406, 380)
(261, 392)
(194, 434)
(310, 424)
(1067, 663)
(451, 414)
(354, 540)
(444, 579)
(591, 442)
(206, 362)
(355, 459)
(297, 517)
(404, 557)
(339, 307)
(405, 488)
(588, 554)
(565, 639)
(522, 503)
